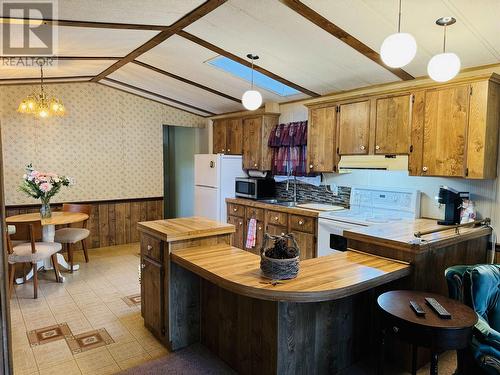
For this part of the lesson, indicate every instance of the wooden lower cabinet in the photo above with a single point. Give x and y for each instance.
(239, 234)
(276, 230)
(153, 296)
(307, 244)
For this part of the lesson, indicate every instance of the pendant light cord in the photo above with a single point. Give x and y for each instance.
(444, 39)
(399, 17)
(252, 73)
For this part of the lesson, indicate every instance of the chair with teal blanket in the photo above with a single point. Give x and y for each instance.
(479, 287)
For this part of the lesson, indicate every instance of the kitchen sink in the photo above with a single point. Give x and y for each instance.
(270, 201)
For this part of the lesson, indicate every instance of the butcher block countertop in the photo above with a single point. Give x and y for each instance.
(184, 228)
(400, 235)
(320, 279)
(273, 207)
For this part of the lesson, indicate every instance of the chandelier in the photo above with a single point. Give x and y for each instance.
(40, 105)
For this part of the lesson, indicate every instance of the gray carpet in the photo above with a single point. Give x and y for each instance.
(194, 360)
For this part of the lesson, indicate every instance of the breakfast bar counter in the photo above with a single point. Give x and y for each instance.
(196, 287)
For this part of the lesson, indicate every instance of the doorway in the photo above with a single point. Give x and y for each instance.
(180, 144)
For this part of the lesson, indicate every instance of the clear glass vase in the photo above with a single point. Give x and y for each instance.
(45, 211)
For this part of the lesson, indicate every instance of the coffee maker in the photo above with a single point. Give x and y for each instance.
(452, 200)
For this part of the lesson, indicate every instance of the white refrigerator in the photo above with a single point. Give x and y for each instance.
(214, 176)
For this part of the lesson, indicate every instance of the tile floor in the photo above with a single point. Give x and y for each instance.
(98, 300)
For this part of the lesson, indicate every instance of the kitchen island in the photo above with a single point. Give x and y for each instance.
(211, 292)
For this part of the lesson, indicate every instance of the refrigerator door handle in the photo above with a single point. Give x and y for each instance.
(212, 164)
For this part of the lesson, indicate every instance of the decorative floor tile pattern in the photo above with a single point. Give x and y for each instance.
(49, 334)
(91, 299)
(89, 340)
(133, 300)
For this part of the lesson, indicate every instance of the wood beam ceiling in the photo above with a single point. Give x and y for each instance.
(242, 61)
(89, 24)
(185, 21)
(185, 80)
(135, 88)
(342, 35)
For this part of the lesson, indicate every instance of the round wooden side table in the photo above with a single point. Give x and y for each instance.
(429, 331)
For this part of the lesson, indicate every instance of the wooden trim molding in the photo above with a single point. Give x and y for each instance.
(342, 35)
(185, 80)
(242, 61)
(111, 222)
(185, 21)
(88, 24)
(132, 87)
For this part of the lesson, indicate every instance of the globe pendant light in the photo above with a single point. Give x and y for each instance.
(398, 49)
(444, 66)
(252, 99)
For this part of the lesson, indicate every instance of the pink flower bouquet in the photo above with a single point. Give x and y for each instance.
(43, 186)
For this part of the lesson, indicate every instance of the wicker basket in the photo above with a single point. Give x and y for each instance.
(279, 269)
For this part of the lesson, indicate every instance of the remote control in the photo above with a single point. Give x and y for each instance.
(417, 308)
(436, 306)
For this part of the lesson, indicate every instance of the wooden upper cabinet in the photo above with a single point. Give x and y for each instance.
(445, 131)
(219, 136)
(393, 124)
(234, 136)
(354, 128)
(227, 136)
(321, 140)
(256, 130)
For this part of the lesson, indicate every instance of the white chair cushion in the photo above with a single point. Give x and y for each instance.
(22, 253)
(11, 229)
(71, 235)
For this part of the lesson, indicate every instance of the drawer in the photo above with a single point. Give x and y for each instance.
(277, 218)
(276, 230)
(236, 210)
(302, 223)
(256, 213)
(151, 247)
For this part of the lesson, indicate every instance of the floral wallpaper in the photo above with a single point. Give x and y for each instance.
(110, 142)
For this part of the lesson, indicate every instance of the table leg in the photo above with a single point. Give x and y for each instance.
(434, 364)
(414, 353)
(48, 234)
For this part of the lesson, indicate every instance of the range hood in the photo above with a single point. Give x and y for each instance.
(378, 162)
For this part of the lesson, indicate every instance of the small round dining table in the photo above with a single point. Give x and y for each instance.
(48, 234)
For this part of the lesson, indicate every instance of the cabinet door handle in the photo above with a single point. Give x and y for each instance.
(235, 209)
(222, 150)
(143, 266)
(255, 165)
(276, 218)
(150, 247)
(377, 147)
(282, 233)
(241, 223)
(260, 228)
(424, 169)
(228, 150)
(311, 166)
(301, 222)
(362, 147)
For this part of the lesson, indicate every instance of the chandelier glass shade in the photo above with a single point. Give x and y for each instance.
(251, 99)
(40, 105)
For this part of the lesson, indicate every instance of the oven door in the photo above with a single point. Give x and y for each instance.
(330, 236)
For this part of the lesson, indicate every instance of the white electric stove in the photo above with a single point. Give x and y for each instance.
(368, 206)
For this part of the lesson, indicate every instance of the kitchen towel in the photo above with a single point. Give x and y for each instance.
(251, 234)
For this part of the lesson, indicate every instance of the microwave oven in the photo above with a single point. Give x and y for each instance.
(255, 188)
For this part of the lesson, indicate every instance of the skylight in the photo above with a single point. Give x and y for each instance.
(259, 79)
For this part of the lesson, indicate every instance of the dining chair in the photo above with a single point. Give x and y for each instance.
(31, 252)
(72, 235)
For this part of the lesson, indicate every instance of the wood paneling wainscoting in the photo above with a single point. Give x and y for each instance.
(111, 222)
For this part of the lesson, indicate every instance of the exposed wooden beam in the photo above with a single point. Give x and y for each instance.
(185, 80)
(67, 57)
(148, 98)
(242, 61)
(132, 87)
(37, 79)
(185, 21)
(88, 24)
(342, 35)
